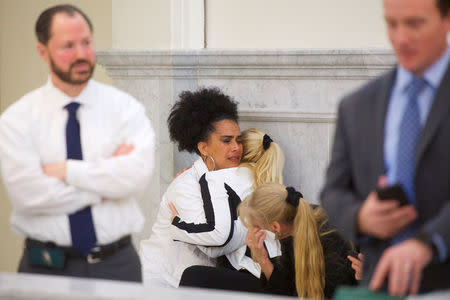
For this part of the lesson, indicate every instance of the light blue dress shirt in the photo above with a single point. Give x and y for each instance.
(396, 107)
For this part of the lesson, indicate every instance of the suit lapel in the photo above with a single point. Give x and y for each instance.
(380, 110)
(438, 112)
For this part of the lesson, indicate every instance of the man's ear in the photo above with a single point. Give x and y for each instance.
(43, 52)
(202, 147)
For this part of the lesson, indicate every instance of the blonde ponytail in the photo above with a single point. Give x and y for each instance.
(308, 252)
(268, 204)
(266, 164)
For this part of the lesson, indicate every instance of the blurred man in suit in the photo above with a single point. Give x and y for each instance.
(396, 130)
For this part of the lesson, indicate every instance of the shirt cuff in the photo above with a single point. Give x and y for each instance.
(175, 220)
(75, 172)
(442, 250)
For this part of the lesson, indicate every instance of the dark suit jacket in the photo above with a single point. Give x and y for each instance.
(357, 162)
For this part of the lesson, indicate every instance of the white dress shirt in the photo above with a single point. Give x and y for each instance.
(32, 134)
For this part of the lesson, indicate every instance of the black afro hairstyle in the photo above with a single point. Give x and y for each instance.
(191, 118)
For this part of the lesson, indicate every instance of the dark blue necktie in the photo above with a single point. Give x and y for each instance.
(81, 224)
(409, 132)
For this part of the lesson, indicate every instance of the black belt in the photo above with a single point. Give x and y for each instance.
(97, 254)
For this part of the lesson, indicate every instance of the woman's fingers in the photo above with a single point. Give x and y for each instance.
(357, 265)
(261, 239)
(250, 238)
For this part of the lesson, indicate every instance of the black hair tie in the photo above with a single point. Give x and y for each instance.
(266, 141)
(293, 197)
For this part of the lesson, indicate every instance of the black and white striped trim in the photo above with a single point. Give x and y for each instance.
(233, 202)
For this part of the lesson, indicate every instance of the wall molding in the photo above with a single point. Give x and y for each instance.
(285, 116)
(247, 64)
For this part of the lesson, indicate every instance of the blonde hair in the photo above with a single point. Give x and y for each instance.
(266, 205)
(266, 165)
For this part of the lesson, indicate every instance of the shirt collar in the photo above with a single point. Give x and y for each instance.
(433, 75)
(200, 167)
(62, 98)
(436, 72)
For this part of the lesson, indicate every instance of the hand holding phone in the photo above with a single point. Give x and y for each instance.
(394, 192)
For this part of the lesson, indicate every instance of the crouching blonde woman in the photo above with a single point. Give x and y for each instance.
(314, 256)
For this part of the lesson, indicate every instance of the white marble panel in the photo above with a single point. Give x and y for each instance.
(285, 95)
(305, 145)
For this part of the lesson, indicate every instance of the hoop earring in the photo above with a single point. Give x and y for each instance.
(212, 159)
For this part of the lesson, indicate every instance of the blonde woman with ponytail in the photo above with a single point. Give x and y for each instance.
(314, 256)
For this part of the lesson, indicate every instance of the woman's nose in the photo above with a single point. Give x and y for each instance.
(235, 145)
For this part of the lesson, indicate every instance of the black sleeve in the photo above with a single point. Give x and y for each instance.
(279, 283)
(338, 268)
(282, 280)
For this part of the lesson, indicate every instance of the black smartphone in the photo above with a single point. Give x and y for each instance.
(393, 192)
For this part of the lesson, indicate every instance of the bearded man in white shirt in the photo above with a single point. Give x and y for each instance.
(75, 154)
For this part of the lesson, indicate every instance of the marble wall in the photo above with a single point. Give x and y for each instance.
(290, 94)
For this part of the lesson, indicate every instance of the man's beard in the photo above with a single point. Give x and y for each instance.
(67, 76)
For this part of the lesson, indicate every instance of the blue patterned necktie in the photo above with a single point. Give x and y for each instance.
(409, 133)
(81, 224)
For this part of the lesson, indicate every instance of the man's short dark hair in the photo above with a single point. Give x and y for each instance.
(443, 6)
(44, 22)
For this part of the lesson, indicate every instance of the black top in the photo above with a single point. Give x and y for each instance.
(338, 270)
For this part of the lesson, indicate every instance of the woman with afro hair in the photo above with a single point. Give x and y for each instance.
(201, 223)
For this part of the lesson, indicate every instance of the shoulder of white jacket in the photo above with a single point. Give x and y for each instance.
(185, 180)
(229, 175)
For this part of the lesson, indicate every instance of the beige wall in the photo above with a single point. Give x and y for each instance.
(141, 24)
(295, 24)
(21, 70)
